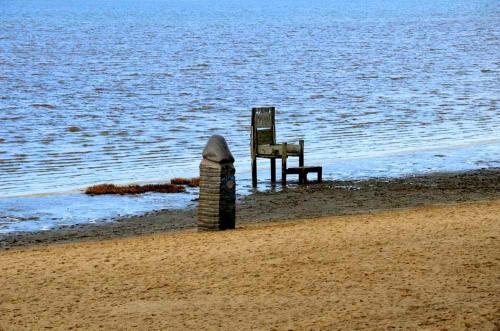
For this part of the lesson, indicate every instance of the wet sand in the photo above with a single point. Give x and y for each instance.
(327, 198)
(426, 268)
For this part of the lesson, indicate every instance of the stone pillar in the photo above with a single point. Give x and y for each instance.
(217, 203)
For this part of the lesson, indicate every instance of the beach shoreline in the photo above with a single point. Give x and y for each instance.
(330, 198)
(429, 267)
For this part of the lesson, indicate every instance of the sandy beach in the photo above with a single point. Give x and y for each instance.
(330, 198)
(426, 268)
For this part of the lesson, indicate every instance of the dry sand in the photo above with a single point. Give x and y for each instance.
(429, 268)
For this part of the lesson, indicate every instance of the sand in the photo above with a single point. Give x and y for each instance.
(314, 200)
(425, 268)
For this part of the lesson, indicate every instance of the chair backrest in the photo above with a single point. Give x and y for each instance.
(263, 126)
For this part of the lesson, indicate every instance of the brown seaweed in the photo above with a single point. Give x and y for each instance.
(191, 182)
(133, 189)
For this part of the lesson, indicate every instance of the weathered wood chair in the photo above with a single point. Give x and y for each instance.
(263, 144)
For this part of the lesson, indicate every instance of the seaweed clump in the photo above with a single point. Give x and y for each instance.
(191, 182)
(177, 185)
(133, 189)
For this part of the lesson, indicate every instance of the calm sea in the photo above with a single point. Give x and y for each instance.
(96, 91)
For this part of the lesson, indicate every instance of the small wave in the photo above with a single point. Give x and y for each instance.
(122, 134)
(367, 77)
(14, 118)
(20, 157)
(43, 105)
(12, 219)
(196, 67)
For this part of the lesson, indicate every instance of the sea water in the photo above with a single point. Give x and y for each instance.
(130, 91)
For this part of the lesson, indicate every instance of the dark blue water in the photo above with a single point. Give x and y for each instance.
(130, 91)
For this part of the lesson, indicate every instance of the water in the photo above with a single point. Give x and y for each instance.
(130, 91)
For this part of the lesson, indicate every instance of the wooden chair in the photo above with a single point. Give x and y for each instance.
(263, 144)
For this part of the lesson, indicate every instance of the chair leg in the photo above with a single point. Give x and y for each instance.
(254, 172)
(283, 170)
(320, 175)
(284, 156)
(273, 170)
(301, 156)
(302, 177)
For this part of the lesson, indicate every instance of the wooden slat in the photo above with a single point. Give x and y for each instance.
(265, 150)
(265, 137)
(298, 170)
(293, 149)
(269, 149)
(264, 117)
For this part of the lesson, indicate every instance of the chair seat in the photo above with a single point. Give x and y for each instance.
(275, 150)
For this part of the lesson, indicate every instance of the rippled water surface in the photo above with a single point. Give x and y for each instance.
(129, 91)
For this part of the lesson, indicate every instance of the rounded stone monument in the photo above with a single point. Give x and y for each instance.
(217, 202)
